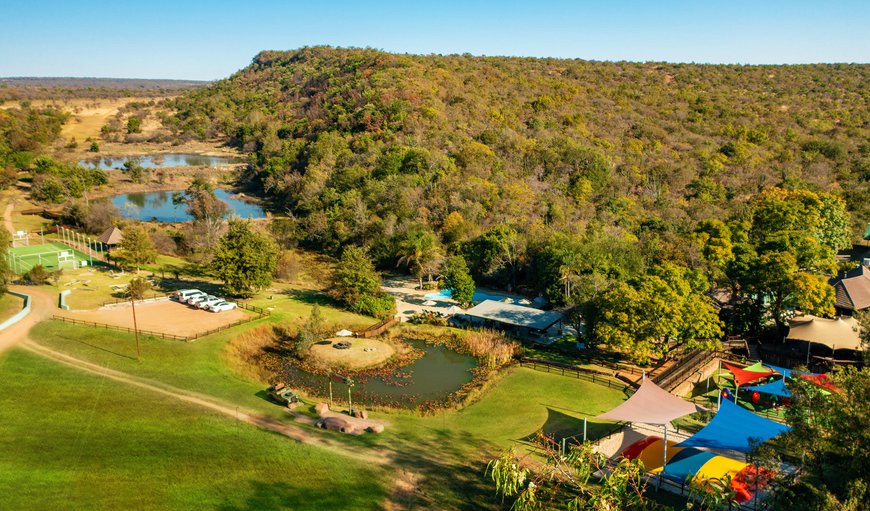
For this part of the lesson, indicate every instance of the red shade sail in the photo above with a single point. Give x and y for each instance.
(742, 376)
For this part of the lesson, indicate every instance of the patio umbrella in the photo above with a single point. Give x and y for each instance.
(454, 309)
(344, 333)
(524, 302)
(508, 300)
(429, 303)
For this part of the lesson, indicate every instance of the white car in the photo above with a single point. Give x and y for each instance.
(222, 306)
(193, 296)
(196, 300)
(183, 294)
(205, 304)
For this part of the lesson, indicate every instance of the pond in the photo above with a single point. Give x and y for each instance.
(434, 376)
(156, 161)
(158, 206)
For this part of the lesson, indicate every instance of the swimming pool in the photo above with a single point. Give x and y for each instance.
(479, 296)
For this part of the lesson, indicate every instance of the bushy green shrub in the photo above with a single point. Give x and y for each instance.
(379, 306)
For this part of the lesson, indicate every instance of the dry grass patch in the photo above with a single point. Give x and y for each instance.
(362, 354)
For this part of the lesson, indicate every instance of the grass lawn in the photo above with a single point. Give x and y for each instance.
(76, 441)
(9, 306)
(450, 449)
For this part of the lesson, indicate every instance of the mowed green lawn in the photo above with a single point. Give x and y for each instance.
(449, 450)
(71, 440)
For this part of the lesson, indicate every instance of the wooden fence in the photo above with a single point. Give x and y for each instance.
(378, 328)
(591, 375)
(261, 313)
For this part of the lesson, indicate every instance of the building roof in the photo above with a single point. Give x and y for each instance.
(517, 315)
(853, 290)
(841, 333)
(111, 236)
(651, 404)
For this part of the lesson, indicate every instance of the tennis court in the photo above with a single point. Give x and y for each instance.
(52, 256)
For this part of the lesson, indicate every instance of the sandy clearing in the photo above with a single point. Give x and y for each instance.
(362, 353)
(165, 317)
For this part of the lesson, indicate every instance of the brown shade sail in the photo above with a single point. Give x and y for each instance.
(651, 405)
(841, 333)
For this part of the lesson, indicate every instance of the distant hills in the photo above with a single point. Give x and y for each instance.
(68, 87)
(350, 137)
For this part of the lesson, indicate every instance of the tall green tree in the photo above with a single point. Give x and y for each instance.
(789, 247)
(244, 259)
(458, 280)
(357, 285)
(354, 276)
(644, 316)
(829, 430)
(136, 248)
(421, 252)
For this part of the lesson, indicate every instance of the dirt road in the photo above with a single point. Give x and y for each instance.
(42, 305)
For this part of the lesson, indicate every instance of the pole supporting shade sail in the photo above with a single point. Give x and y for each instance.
(651, 404)
(742, 376)
(732, 428)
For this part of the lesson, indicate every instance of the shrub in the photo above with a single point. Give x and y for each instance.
(38, 275)
(379, 306)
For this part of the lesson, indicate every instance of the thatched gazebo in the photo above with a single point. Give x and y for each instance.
(111, 237)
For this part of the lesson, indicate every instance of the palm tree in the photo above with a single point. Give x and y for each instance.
(420, 252)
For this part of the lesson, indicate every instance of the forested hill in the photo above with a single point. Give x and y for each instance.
(364, 146)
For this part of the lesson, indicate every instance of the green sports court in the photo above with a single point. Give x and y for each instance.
(52, 256)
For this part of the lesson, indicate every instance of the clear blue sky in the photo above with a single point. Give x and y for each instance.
(211, 39)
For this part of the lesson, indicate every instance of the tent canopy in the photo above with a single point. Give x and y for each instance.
(776, 388)
(651, 405)
(841, 333)
(732, 428)
(747, 375)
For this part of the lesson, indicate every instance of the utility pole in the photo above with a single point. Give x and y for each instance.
(135, 325)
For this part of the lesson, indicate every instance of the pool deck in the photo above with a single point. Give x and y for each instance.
(410, 300)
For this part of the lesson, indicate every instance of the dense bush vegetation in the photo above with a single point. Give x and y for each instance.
(563, 177)
(369, 148)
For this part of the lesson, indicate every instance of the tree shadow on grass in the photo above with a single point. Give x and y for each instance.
(311, 297)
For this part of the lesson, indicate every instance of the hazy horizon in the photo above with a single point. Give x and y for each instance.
(206, 41)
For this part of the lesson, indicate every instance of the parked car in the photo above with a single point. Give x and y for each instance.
(222, 306)
(194, 296)
(196, 300)
(183, 294)
(205, 304)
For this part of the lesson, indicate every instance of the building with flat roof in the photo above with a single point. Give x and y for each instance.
(518, 319)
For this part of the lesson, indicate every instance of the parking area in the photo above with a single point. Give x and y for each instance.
(163, 316)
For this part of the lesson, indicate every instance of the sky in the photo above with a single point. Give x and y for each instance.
(207, 40)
